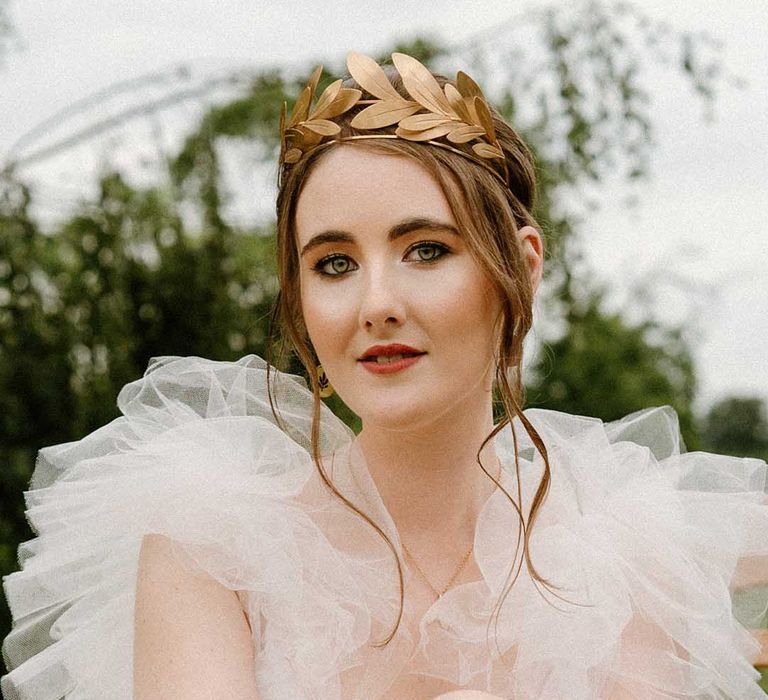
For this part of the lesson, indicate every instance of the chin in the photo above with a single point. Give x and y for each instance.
(407, 412)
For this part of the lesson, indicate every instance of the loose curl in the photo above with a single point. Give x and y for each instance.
(488, 215)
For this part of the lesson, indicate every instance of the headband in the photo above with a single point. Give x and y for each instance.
(458, 113)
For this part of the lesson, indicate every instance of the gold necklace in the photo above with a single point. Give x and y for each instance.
(439, 594)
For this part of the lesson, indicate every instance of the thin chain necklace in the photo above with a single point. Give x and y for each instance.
(462, 564)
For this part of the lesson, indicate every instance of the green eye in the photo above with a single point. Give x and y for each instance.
(339, 265)
(428, 252)
(334, 265)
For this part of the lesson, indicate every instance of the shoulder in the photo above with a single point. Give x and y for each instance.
(185, 499)
(180, 617)
(655, 534)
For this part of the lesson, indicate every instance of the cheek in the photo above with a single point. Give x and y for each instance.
(480, 341)
(468, 311)
(325, 317)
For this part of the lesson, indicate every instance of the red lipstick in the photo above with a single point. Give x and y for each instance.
(388, 359)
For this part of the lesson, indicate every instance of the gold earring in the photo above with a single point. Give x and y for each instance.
(326, 389)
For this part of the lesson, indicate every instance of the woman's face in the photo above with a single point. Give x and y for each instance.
(400, 314)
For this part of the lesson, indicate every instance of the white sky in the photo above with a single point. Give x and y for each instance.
(703, 215)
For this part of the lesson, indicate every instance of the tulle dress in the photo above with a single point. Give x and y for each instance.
(643, 536)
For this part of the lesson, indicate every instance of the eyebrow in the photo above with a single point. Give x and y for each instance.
(417, 223)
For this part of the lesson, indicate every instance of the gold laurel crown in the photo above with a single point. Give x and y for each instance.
(458, 113)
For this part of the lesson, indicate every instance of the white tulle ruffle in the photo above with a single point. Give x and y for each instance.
(648, 540)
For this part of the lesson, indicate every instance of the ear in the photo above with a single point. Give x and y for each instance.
(533, 253)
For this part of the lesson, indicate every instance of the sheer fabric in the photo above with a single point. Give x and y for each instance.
(642, 538)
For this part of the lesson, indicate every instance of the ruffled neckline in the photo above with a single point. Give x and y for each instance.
(352, 477)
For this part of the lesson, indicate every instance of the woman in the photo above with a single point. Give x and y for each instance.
(228, 537)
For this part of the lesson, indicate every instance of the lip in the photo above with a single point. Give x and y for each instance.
(389, 350)
(367, 361)
(391, 367)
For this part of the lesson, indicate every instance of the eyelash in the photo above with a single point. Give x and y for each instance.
(421, 245)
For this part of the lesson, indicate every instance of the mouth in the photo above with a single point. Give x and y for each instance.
(390, 359)
(389, 354)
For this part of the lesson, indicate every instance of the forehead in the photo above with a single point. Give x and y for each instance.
(354, 187)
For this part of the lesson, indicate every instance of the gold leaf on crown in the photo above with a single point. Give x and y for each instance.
(307, 128)
(458, 113)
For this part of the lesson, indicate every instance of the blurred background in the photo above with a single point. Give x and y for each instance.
(137, 167)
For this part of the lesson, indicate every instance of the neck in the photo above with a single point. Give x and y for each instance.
(428, 476)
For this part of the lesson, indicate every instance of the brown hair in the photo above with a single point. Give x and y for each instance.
(488, 214)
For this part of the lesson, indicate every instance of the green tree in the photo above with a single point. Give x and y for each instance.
(737, 425)
(605, 367)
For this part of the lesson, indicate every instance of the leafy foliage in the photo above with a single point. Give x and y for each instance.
(737, 425)
(603, 366)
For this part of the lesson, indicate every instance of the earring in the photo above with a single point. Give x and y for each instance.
(326, 389)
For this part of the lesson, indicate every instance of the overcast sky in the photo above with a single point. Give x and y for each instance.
(703, 217)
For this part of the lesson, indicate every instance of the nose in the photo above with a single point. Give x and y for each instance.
(381, 302)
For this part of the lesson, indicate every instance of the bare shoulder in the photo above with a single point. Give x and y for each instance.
(191, 636)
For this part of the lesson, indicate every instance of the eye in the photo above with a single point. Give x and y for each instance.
(427, 251)
(334, 265)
